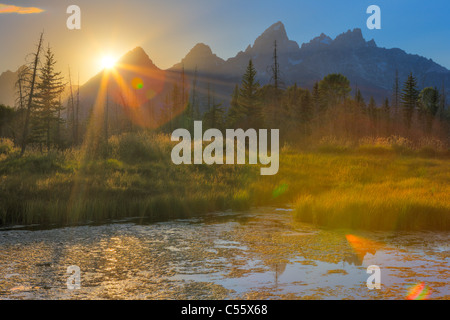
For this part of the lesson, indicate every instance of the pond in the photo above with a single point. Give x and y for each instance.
(258, 254)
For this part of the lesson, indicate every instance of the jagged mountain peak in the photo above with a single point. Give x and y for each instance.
(200, 49)
(7, 87)
(6, 73)
(274, 32)
(265, 42)
(137, 56)
(371, 43)
(323, 38)
(200, 57)
(355, 33)
(277, 27)
(318, 42)
(353, 38)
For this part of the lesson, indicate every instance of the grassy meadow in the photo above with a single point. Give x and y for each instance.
(381, 184)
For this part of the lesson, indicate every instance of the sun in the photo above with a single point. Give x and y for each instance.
(108, 62)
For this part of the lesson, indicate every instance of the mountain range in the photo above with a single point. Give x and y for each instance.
(370, 68)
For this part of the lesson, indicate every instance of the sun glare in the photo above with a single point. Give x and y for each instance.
(108, 62)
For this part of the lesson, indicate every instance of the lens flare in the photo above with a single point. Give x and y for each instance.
(419, 291)
(362, 246)
(279, 190)
(137, 83)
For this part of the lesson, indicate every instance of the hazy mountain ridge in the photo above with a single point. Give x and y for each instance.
(368, 67)
(7, 87)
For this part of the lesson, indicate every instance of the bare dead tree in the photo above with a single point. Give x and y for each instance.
(23, 78)
(22, 92)
(275, 68)
(31, 93)
(71, 110)
(77, 111)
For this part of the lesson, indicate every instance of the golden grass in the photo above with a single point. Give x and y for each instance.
(371, 186)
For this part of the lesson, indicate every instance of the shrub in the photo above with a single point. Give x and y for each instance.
(6, 146)
(132, 147)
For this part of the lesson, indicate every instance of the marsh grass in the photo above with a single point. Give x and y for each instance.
(376, 184)
(136, 178)
(383, 192)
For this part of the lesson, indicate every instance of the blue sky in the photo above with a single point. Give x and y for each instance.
(168, 29)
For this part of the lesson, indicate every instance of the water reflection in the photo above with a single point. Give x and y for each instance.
(262, 253)
(357, 259)
(353, 259)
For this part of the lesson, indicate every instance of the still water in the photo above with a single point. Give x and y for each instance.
(259, 254)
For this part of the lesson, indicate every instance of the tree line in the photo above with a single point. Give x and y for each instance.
(328, 109)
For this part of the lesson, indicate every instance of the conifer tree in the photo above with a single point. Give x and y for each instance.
(71, 109)
(175, 107)
(396, 95)
(235, 113)
(372, 107)
(387, 115)
(47, 105)
(77, 113)
(372, 112)
(248, 98)
(386, 109)
(194, 105)
(409, 97)
(213, 118)
(316, 97)
(359, 99)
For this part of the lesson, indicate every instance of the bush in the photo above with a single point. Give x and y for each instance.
(132, 147)
(33, 163)
(6, 146)
(114, 164)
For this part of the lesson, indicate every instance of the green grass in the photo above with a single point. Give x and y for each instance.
(370, 186)
(135, 179)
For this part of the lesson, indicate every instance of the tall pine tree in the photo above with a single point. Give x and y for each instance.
(249, 99)
(47, 105)
(236, 112)
(409, 97)
(396, 94)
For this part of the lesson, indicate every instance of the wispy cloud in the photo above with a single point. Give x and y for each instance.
(9, 8)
